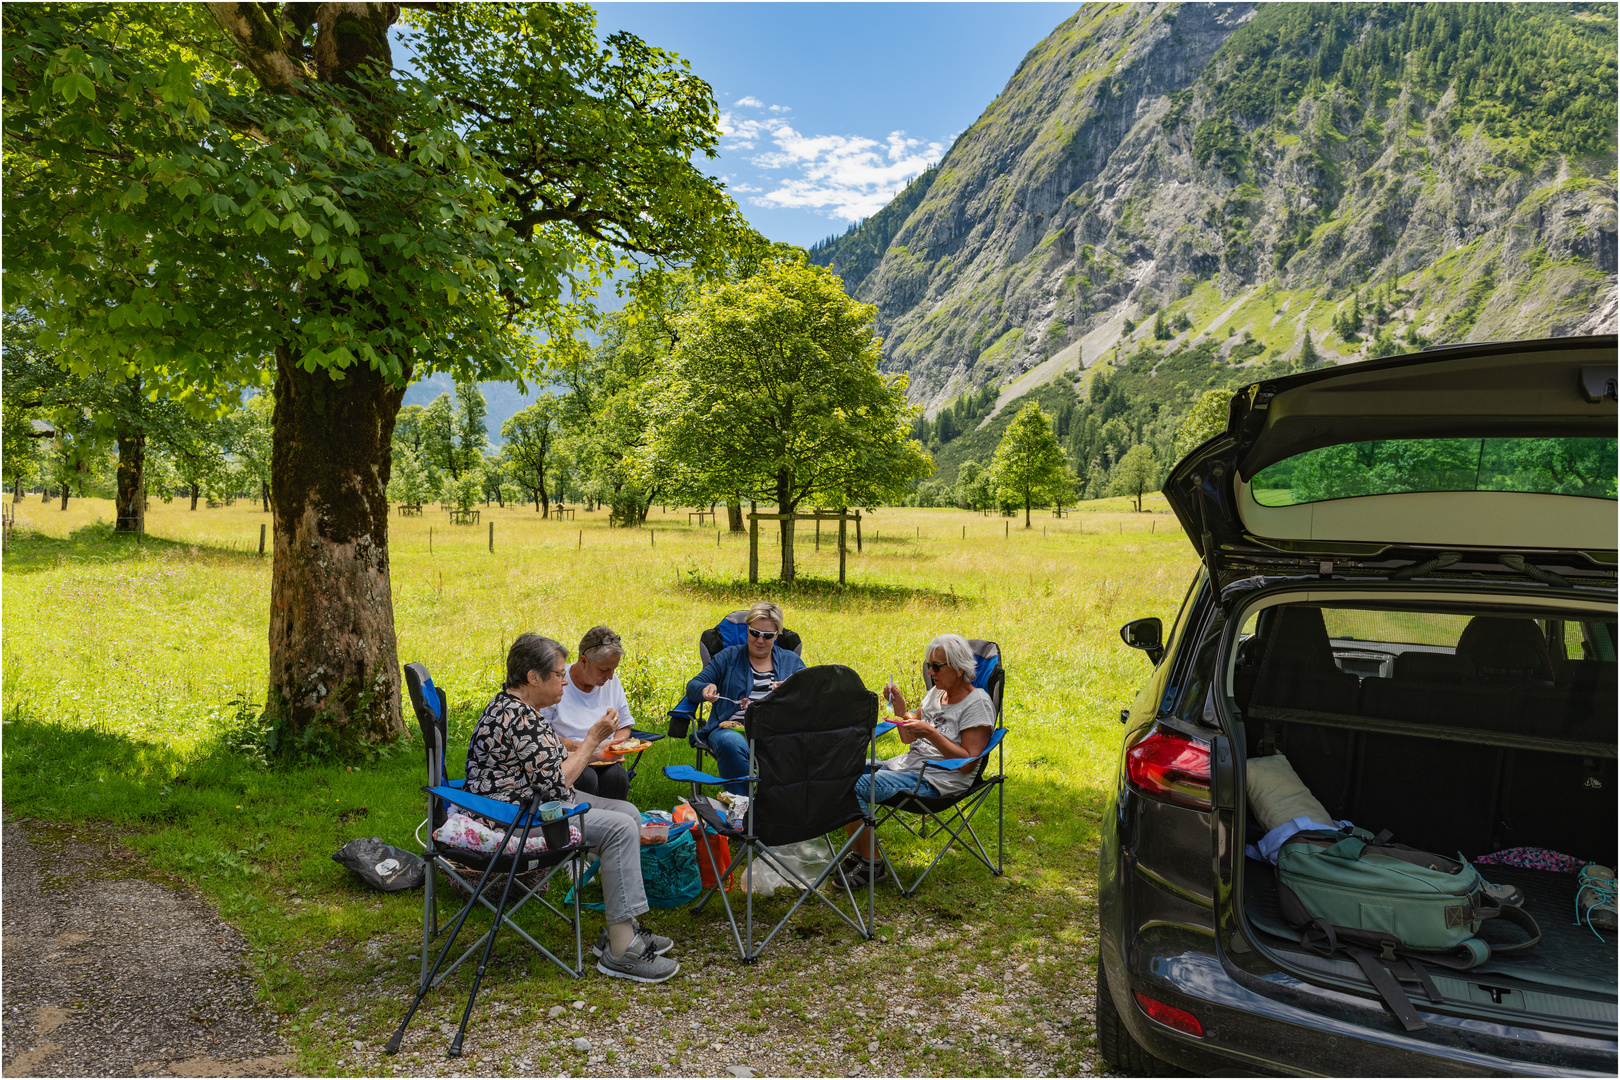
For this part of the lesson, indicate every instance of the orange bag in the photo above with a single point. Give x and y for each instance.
(720, 849)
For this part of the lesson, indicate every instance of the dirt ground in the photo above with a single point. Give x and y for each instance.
(109, 971)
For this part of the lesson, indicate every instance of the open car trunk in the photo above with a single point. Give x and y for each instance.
(1459, 728)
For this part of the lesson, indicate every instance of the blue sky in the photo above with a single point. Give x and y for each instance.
(829, 109)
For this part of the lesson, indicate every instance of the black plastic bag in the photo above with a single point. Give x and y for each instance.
(383, 867)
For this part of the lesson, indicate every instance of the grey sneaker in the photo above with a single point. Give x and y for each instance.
(660, 944)
(639, 962)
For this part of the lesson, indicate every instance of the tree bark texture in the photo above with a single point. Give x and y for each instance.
(195, 491)
(131, 505)
(734, 518)
(784, 505)
(333, 659)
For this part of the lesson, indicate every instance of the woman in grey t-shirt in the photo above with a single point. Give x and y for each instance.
(954, 720)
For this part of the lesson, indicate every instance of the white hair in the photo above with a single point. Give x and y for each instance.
(957, 654)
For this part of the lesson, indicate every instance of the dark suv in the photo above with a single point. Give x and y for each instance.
(1408, 590)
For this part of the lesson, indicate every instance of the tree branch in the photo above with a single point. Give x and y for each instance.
(262, 46)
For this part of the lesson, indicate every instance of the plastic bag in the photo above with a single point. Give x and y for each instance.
(385, 868)
(806, 859)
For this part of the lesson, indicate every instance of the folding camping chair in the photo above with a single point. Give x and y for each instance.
(684, 719)
(432, 716)
(808, 741)
(953, 814)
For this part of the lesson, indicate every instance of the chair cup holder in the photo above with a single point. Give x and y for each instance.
(556, 834)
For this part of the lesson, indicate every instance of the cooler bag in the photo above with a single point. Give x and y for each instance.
(1392, 909)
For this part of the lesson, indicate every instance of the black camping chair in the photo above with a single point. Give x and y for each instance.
(808, 741)
(685, 720)
(954, 814)
(458, 864)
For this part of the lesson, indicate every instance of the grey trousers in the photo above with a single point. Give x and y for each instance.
(613, 831)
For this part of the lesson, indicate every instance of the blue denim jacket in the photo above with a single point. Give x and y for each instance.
(729, 670)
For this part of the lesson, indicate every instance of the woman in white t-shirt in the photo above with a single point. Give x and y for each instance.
(955, 720)
(593, 692)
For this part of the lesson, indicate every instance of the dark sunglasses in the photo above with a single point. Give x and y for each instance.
(764, 635)
(934, 665)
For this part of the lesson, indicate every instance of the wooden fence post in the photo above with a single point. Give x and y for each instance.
(492, 538)
(581, 543)
(652, 537)
(430, 539)
(753, 550)
(818, 534)
(857, 532)
(843, 527)
(261, 540)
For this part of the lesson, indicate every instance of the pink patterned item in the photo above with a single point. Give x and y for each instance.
(462, 833)
(1533, 858)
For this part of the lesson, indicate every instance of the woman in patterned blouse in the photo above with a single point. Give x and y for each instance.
(515, 754)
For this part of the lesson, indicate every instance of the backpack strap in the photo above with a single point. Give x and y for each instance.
(1518, 917)
(1388, 988)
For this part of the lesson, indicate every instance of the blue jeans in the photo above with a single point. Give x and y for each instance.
(888, 783)
(730, 749)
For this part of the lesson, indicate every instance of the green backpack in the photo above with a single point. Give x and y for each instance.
(1393, 909)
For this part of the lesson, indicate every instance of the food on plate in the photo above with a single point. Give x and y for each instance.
(628, 746)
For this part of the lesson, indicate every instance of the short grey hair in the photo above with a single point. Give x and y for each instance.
(957, 652)
(764, 610)
(532, 652)
(599, 641)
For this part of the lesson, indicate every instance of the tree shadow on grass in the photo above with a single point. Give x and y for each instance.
(818, 593)
(30, 552)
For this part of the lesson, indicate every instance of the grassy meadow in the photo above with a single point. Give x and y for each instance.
(126, 666)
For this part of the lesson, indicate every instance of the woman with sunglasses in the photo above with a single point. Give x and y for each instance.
(733, 678)
(954, 720)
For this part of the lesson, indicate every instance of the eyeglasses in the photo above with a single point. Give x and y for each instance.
(557, 673)
(935, 665)
(763, 635)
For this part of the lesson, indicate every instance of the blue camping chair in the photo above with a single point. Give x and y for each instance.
(684, 719)
(925, 816)
(432, 714)
(808, 741)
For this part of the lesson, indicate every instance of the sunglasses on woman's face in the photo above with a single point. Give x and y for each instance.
(934, 665)
(763, 635)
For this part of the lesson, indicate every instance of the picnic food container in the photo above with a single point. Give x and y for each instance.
(654, 832)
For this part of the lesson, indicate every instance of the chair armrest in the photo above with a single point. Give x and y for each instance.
(686, 774)
(884, 728)
(494, 809)
(957, 763)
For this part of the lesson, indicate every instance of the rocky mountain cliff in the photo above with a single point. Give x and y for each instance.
(1230, 178)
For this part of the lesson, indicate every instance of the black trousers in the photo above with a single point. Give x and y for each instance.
(608, 781)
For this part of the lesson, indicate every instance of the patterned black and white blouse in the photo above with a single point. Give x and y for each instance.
(514, 752)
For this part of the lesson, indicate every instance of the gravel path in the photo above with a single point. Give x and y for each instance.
(111, 972)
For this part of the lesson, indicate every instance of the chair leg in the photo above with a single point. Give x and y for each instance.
(489, 946)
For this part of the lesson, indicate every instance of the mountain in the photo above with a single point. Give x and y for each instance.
(1198, 187)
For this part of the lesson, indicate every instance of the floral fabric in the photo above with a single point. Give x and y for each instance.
(515, 753)
(1533, 858)
(464, 833)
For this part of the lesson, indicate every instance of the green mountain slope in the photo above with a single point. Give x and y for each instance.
(1215, 182)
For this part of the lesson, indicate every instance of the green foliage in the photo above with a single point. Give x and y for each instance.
(1541, 72)
(773, 393)
(1137, 473)
(1029, 466)
(959, 417)
(1220, 140)
(530, 446)
(407, 480)
(1584, 467)
(1204, 421)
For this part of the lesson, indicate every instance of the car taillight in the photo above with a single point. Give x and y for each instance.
(1172, 767)
(1170, 1016)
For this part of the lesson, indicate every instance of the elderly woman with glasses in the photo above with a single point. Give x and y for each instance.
(734, 677)
(592, 693)
(515, 755)
(954, 720)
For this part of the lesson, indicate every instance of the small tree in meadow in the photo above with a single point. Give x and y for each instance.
(1029, 465)
(1206, 420)
(1136, 473)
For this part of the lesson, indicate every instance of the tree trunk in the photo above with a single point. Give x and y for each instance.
(1026, 508)
(542, 502)
(16, 490)
(130, 506)
(45, 494)
(65, 487)
(734, 518)
(334, 668)
(784, 489)
(264, 495)
(194, 493)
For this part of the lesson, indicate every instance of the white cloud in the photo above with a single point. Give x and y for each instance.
(848, 177)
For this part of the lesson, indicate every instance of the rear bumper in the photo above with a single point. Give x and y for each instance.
(1246, 1032)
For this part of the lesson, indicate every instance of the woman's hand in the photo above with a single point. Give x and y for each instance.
(711, 693)
(897, 700)
(603, 729)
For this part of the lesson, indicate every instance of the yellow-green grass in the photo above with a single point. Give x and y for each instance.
(122, 661)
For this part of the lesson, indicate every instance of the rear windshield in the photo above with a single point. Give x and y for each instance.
(1579, 467)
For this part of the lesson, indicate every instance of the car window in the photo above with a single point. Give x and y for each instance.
(1579, 467)
(1402, 627)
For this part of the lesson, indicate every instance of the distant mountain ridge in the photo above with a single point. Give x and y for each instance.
(1231, 177)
